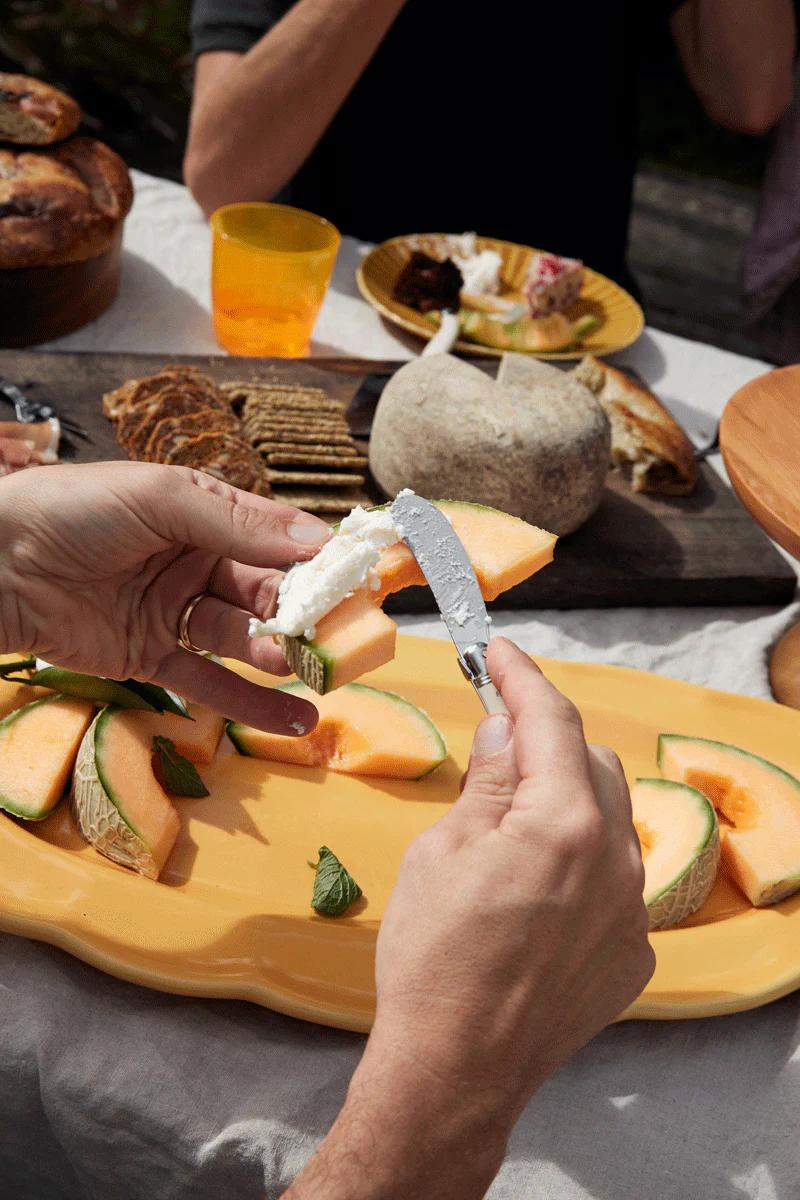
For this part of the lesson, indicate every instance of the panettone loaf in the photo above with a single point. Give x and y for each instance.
(34, 114)
(60, 205)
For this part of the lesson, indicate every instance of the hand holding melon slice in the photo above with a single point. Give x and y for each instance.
(356, 636)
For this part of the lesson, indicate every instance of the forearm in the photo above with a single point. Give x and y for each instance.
(292, 82)
(739, 58)
(403, 1133)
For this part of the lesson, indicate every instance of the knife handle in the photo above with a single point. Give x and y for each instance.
(490, 698)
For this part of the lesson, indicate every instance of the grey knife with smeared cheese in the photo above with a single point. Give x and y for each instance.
(443, 561)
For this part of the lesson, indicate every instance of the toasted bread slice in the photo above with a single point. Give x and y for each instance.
(647, 443)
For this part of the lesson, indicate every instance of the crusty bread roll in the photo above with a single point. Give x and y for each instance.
(34, 114)
(60, 205)
(647, 443)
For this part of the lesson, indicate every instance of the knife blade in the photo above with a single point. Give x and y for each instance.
(443, 561)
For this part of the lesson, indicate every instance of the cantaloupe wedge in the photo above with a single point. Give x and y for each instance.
(196, 739)
(357, 636)
(14, 695)
(361, 731)
(38, 745)
(118, 803)
(760, 808)
(679, 836)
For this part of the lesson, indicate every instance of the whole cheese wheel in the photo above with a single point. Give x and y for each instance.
(446, 429)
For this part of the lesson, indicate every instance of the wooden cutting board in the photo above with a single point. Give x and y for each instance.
(636, 550)
(760, 441)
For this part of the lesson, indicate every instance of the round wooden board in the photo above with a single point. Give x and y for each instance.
(759, 436)
(621, 318)
(231, 917)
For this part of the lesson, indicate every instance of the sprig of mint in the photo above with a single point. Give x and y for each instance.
(180, 776)
(334, 887)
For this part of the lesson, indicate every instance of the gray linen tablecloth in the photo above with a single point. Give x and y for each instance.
(109, 1091)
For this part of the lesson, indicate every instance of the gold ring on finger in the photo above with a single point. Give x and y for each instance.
(183, 623)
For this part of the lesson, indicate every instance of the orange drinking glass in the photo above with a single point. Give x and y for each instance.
(270, 269)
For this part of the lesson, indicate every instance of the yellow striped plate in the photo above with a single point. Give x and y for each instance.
(621, 318)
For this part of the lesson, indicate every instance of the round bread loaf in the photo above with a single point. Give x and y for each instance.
(62, 205)
(33, 113)
(447, 430)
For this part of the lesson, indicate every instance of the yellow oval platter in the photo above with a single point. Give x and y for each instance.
(621, 318)
(231, 916)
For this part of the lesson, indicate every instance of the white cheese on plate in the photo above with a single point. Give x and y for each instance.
(310, 590)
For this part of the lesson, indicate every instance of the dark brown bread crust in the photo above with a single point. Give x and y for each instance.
(33, 113)
(61, 205)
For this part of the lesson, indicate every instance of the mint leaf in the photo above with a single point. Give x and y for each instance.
(334, 887)
(180, 776)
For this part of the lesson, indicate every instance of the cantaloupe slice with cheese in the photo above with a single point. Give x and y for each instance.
(119, 805)
(679, 836)
(759, 806)
(196, 739)
(38, 745)
(361, 731)
(357, 636)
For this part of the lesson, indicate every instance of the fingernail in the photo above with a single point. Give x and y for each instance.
(309, 531)
(492, 735)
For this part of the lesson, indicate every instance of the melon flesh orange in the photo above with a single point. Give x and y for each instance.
(196, 739)
(677, 830)
(361, 731)
(119, 804)
(759, 806)
(38, 745)
(357, 636)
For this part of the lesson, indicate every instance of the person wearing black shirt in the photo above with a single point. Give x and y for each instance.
(518, 121)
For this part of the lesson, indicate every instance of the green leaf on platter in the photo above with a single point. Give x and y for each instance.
(158, 698)
(180, 776)
(334, 887)
(90, 687)
(19, 664)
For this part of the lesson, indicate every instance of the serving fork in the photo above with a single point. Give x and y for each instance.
(28, 410)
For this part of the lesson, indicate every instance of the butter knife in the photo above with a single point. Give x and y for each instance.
(443, 560)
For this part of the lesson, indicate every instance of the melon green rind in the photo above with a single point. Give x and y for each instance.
(663, 738)
(682, 895)
(309, 662)
(781, 888)
(419, 715)
(238, 733)
(99, 819)
(7, 803)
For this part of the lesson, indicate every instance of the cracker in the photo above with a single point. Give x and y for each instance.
(140, 391)
(277, 458)
(219, 448)
(292, 401)
(320, 501)
(314, 478)
(342, 453)
(257, 420)
(188, 425)
(322, 433)
(141, 418)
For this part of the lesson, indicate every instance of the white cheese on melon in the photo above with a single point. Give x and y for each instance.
(310, 590)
